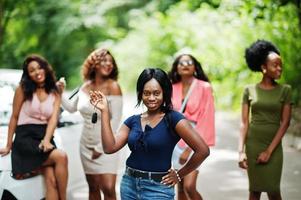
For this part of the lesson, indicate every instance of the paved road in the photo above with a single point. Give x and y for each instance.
(219, 179)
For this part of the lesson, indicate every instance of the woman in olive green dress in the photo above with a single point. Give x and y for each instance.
(266, 113)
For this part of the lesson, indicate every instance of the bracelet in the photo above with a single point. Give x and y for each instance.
(179, 178)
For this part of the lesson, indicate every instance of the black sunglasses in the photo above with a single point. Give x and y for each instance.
(186, 63)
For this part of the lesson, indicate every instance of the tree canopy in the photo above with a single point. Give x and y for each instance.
(143, 33)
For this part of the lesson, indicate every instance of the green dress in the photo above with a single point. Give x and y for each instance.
(265, 109)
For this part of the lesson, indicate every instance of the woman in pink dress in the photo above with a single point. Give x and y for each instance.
(34, 118)
(188, 79)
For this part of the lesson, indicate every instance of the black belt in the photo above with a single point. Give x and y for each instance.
(156, 176)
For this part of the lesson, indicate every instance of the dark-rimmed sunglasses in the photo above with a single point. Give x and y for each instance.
(186, 63)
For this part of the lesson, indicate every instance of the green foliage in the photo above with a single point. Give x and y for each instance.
(64, 32)
(218, 38)
(143, 33)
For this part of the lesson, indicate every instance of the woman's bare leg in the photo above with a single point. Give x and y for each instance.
(59, 160)
(274, 196)
(190, 186)
(104, 183)
(254, 195)
(93, 184)
(50, 181)
(181, 194)
(107, 186)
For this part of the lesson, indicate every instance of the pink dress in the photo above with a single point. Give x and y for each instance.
(199, 109)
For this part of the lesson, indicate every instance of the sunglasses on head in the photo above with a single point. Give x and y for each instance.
(186, 63)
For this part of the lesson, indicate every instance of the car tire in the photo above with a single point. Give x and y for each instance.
(8, 196)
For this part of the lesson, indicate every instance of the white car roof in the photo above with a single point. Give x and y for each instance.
(12, 76)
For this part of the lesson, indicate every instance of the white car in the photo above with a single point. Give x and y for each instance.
(31, 188)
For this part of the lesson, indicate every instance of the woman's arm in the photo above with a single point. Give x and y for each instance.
(285, 122)
(70, 106)
(111, 143)
(115, 107)
(17, 104)
(52, 123)
(244, 126)
(195, 142)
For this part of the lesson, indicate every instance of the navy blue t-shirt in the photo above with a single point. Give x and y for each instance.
(151, 149)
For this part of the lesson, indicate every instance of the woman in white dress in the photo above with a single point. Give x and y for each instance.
(99, 72)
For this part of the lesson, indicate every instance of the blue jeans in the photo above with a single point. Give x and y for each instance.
(144, 189)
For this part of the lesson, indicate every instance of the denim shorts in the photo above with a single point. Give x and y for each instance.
(144, 189)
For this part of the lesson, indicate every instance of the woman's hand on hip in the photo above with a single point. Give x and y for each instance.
(172, 178)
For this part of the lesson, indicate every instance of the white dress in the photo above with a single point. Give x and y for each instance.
(91, 133)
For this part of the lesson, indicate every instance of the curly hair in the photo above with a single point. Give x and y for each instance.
(257, 54)
(175, 77)
(88, 68)
(28, 85)
(162, 78)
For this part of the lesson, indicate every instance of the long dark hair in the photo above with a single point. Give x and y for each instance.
(175, 77)
(28, 85)
(164, 82)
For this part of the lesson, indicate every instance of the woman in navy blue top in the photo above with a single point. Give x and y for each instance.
(151, 137)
